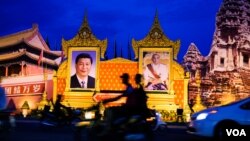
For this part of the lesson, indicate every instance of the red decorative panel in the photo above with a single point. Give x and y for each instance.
(61, 85)
(110, 74)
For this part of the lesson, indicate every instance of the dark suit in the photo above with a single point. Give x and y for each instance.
(74, 83)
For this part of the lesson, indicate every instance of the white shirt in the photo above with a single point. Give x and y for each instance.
(160, 69)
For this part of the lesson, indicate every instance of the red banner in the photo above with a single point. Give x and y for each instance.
(35, 88)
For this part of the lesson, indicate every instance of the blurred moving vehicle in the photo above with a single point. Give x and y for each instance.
(121, 128)
(155, 121)
(7, 120)
(70, 117)
(230, 120)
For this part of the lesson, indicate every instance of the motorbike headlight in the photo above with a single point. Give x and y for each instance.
(89, 115)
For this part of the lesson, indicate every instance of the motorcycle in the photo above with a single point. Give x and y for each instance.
(69, 117)
(7, 120)
(120, 128)
(155, 119)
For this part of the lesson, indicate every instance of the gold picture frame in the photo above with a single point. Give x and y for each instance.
(91, 83)
(155, 66)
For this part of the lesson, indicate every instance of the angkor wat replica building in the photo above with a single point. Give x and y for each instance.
(225, 71)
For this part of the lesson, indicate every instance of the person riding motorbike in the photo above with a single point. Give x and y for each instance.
(61, 111)
(135, 106)
(60, 115)
(130, 107)
(113, 113)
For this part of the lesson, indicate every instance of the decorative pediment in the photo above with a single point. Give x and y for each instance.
(156, 38)
(84, 38)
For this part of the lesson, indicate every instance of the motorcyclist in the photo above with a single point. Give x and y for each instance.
(141, 97)
(59, 108)
(136, 100)
(115, 112)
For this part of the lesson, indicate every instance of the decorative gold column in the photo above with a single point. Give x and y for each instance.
(187, 110)
(198, 104)
(44, 100)
(54, 79)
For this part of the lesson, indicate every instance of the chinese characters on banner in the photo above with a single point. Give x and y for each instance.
(35, 88)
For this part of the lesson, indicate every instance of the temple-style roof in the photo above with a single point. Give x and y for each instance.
(27, 46)
(24, 53)
(31, 37)
(156, 38)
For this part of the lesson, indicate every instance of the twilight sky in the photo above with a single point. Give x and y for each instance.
(121, 20)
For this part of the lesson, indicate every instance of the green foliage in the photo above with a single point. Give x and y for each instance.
(169, 116)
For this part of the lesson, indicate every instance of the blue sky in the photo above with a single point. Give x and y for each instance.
(185, 20)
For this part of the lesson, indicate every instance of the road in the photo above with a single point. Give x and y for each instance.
(32, 131)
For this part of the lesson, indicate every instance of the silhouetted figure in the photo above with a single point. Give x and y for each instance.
(179, 112)
(59, 108)
(115, 112)
(136, 101)
(191, 104)
(132, 112)
(140, 97)
(141, 107)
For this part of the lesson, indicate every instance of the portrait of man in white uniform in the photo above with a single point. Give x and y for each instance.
(156, 73)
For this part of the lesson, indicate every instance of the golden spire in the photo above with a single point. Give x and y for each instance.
(156, 30)
(44, 100)
(198, 104)
(85, 23)
(156, 21)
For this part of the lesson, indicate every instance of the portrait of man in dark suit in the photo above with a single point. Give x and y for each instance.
(82, 79)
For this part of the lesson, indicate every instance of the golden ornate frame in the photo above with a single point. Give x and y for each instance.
(167, 60)
(96, 62)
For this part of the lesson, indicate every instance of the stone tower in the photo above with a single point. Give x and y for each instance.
(191, 60)
(231, 44)
(226, 69)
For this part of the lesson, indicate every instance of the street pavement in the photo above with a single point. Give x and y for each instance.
(30, 130)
